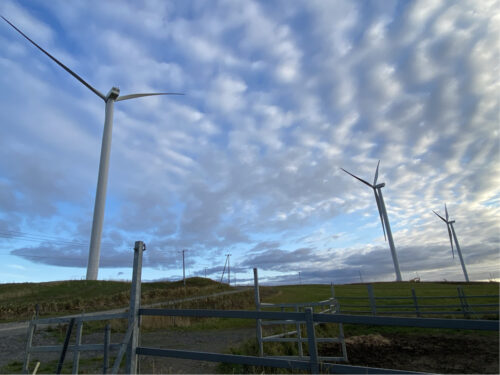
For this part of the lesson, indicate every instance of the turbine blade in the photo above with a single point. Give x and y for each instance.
(442, 218)
(95, 91)
(376, 174)
(379, 205)
(446, 211)
(133, 96)
(451, 242)
(363, 181)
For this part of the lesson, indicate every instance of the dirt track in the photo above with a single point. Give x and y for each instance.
(12, 348)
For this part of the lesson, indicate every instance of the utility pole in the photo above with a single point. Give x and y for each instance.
(360, 276)
(228, 271)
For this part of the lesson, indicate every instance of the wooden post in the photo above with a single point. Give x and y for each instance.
(415, 302)
(371, 296)
(107, 341)
(78, 342)
(135, 303)
(65, 346)
(311, 340)
(257, 307)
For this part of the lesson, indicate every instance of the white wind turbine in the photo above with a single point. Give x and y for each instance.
(451, 231)
(102, 181)
(377, 189)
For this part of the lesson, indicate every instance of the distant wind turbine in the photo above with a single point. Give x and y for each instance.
(102, 181)
(451, 231)
(377, 189)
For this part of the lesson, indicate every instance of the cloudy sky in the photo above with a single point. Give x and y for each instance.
(279, 96)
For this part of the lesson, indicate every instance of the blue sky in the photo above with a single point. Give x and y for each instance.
(279, 96)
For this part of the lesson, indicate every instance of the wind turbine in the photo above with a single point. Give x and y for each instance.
(100, 201)
(384, 219)
(451, 231)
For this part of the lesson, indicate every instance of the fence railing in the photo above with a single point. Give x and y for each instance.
(328, 306)
(131, 347)
(76, 348)
(420, 306)
(313, 363)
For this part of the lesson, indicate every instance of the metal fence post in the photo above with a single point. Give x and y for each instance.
(135, 303)
(463, 302)
(415, 302)
(257, 307)
(299, 334)
(29, 340)
(311, 340)
(65, 346)
(371, 296)
(78, 342)
(107, 341)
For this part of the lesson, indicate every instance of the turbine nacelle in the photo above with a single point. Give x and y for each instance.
(379, 186)
(113, 94)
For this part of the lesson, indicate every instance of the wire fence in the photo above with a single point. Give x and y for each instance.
(477, 306)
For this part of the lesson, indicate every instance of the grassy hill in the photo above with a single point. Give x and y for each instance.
(17, 301)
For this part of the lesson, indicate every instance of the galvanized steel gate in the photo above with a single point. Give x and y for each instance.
(130, 343)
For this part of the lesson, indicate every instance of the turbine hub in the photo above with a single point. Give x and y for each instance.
(113, 93)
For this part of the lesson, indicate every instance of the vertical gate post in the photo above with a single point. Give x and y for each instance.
(311, 340)
(65, 346)
(371, 296)
(257, 307)
(299, 333)
(78, 342)
(107, 341)
(463, 302)
(415, 302)
(29, 340)
(135, 303)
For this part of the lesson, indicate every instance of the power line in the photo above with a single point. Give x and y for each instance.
(43, 237)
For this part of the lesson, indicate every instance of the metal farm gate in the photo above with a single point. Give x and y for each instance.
(302, 316)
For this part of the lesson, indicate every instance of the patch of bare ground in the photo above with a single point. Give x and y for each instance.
(12, 349)
(464, 353)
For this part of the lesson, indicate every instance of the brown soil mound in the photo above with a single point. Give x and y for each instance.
(465, 353)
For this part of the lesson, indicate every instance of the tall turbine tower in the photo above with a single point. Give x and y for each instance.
(451, 231)
(102, 180)
(377, 190)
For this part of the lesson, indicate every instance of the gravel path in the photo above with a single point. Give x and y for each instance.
(12, 347)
